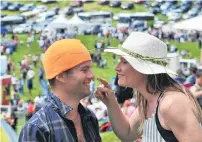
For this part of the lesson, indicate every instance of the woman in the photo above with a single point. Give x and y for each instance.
(165, 110)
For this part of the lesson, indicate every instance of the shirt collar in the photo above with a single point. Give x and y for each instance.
(59, 105)
(63, 108)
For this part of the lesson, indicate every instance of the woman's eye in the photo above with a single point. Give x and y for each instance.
(125, 62)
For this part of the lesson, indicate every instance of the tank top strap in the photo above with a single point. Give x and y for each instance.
(159, 98)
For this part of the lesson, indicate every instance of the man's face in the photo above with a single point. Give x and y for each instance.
(199, 81)
(77, 81)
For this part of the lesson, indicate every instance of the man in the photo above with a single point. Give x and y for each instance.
(196, 89)
(191, 79)
(67, 65)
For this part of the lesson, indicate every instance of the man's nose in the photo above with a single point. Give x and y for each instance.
(91, 75)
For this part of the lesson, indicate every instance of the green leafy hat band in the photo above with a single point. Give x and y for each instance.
(159, 61)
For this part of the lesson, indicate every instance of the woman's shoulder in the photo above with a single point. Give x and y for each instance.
(174, 100)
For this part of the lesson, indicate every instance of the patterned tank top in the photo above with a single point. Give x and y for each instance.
(150, 132)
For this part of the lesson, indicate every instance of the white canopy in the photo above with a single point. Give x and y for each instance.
(59, 23)
(190, 24)
(76, 25)
(76, 20)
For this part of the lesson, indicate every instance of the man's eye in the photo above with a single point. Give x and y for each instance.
(85, 70)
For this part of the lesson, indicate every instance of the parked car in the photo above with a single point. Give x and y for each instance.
(56, 9)
(192, 13)
(87, 0)
(41, 8)
(4, 5)
(15, 6)
(68, 10)
(48, 1)
(77, 3)
(115, 3)
(166, 6)
(78, 10)
(139, 25)
(174, 16)
(27, 7)
(127, 6)
(103, 2)
(93, 30)
(174, 7)
(12, 20)
(154, 10)
(185, 6)
(139, 1)
(46, 16)
(155, 4)
(22, 28)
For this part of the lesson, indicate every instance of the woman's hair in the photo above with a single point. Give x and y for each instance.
(161, 83)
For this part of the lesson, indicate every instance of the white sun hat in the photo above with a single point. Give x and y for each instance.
(145, 53)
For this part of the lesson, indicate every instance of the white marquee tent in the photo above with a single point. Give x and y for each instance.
(76, 20)
(76, 24)
(59, 23)
(190, 24)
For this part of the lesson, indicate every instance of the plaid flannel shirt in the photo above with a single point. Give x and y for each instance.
(50, 125)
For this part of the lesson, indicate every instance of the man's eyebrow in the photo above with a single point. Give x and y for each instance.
(86, 67)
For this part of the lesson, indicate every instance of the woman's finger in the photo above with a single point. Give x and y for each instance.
(104, 82)
(106, 91)
(99, 95)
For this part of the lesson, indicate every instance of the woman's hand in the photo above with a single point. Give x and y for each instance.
(104, 92)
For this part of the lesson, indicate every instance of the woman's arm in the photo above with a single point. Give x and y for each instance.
(126, 130)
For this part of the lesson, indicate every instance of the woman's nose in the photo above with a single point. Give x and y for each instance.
(117, 68)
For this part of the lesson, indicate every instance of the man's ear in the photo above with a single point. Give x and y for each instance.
(61, 77)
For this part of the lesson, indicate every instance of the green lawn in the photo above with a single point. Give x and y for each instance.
(109, 137)
(189, 46)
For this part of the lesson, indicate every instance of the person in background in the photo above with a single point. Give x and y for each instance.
(30, 79)
(30, 109)
(180, 78)
(196, 89)
(190, 80)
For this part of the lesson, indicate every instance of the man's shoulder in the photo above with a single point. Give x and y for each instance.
(42, 116)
